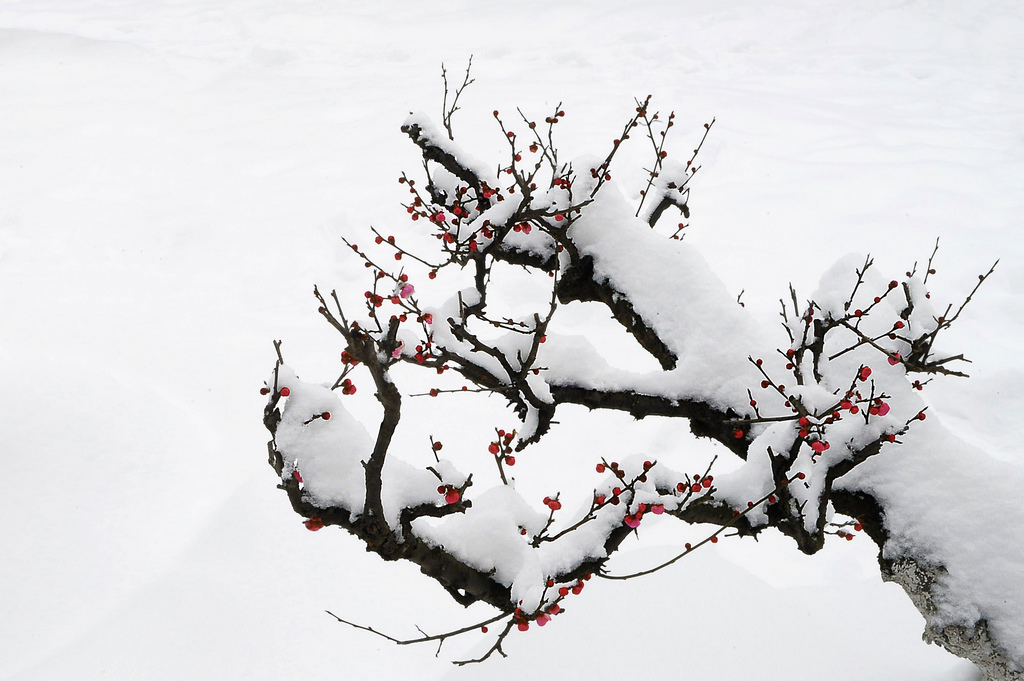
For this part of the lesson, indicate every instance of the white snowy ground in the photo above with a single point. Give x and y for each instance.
(175, 176)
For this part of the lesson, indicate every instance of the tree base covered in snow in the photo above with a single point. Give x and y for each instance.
(972, 641)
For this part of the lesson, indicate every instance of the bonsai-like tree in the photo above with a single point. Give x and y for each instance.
(825, 417)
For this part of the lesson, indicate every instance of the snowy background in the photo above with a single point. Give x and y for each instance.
(175, 176)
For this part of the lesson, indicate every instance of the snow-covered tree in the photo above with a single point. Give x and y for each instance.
(827, 416)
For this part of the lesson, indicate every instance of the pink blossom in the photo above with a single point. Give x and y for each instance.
(407, 290)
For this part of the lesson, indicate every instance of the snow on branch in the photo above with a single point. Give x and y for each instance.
(826, 423)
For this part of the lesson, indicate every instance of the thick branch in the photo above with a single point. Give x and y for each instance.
(705, 420)
(578, 284)
(433, 152)
(466, 583)
(667, 200)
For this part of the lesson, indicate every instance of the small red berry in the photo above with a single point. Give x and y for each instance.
(510, 460)
(452, 496)
(600, 468)
(314, 524)
(264, 391)
(326, 416)
(285, 392)
(493, 448)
